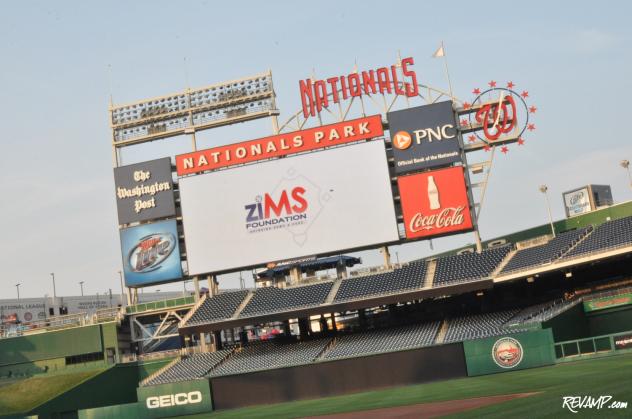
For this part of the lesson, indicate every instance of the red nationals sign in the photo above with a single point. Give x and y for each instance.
(435, 203)
(280, 145)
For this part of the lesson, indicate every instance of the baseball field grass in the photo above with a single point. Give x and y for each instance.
(610, 376)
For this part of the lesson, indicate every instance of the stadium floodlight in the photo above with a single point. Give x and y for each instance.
(17, 286)
(194, 110)
(81, 285)
(626, 165)
(544, 189)
(54, 290)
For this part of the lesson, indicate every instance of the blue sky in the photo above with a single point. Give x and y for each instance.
(58, 212)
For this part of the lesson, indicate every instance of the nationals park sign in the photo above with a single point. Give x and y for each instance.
(280, 145)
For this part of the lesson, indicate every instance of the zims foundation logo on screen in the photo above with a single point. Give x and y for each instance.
(277, 210)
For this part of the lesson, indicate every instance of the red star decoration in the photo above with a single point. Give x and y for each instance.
(492, 83)
(510, 85)
(531, 127)
(466, 105)
(504, 149)
(464, 123)
(486, 147)
(520, 141)
(532, 109)
(476, 91)
(524, 94)
(471, 138)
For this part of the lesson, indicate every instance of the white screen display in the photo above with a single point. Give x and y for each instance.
(310, 204)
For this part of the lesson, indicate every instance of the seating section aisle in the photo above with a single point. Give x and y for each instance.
(545, 253)
(274, 300)
(469, 266)
(269, 355)
(189, 368)
(541, 312)
(219, 307)
(477, 326)
(409, 277)
(384, 340)
(608, 235)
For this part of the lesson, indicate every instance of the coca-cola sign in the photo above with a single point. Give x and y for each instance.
(435, 203)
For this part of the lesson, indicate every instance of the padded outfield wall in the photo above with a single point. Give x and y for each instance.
(510, 352)
(47, 351)
(336, 377)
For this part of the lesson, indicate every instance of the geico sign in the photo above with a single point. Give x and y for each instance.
(178, 399)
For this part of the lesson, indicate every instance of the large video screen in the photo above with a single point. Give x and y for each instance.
(309, 204)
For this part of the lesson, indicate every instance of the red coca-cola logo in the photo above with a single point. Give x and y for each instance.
(435, 203)
(447, 217)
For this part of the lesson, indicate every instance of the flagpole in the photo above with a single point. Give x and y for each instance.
(447, 73)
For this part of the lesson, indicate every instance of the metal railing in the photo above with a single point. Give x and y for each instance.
(159, 305)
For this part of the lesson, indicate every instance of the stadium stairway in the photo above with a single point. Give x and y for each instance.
(325, 350)
(504, 262)
(589, 230)
(192, 310)
(243, 305)
(443, 330)
(431, 267)
(334, 291)
(160, 371)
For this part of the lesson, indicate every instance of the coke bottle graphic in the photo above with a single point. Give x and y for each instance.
(433, 194)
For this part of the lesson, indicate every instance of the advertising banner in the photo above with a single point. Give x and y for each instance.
(623, 342)
(577, 202)
(424, 137)
(608, 302)
(280, 145)
(175, 399)
(144, 191)
(435, 203)
(151, 253)
(515, 351)
(23, 310)
(304, 205)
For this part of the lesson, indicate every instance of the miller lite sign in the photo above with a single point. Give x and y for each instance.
(424, 137)
(151, 253)
(435, 203)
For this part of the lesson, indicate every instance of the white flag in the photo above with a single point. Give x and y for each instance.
(439, 52)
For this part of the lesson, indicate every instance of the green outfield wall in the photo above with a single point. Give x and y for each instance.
(514, 351)
(49, 345)
(121, 411)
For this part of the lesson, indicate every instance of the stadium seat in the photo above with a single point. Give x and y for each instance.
(189, 368)
(219, 307)
(270, 355)
(469, 266)
(409, 277)
(384, 340)
(274, 300)
(609, 235)
(545, 253)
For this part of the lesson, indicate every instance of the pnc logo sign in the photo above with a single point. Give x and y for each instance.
(178, 399)
(424, 137)
(285, 208)
(402, 140)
